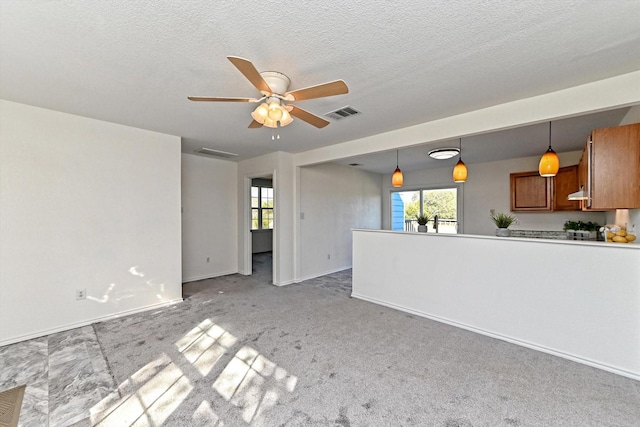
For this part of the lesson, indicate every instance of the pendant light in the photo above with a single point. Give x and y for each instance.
(397, 179)
(549, 163)
(460, 170)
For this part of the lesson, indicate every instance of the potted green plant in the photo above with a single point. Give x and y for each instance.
(422, 222)
(503, 221)
(579, 230)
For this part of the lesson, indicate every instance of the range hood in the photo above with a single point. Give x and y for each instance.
(579, 195)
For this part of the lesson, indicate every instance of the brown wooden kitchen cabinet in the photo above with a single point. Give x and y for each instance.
(565, 183)
(532, 193)
(609, 170)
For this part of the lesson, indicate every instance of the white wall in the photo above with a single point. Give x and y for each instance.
(209, 217)
(88, 205)
(261, 241)
(334, 199)
(487, 188)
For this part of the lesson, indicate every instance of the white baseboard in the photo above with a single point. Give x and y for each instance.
(569, 356)
(208, 276)
(285, 283)
(75, 325)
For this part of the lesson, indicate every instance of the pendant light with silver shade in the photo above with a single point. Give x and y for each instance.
(460, 169)
(397, 179)
(549, 163)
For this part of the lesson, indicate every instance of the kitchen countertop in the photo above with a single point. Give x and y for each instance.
(535, 234)
(594, 243)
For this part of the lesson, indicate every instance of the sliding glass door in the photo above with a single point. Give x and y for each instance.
(437, 203)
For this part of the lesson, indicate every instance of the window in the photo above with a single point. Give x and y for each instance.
(261, 208)
(443, 202)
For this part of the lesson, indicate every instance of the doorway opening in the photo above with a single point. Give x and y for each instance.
(259, 227)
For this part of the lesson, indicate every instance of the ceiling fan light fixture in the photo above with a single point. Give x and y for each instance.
(286, 118)
(270, 123)
(444, 153)
(260, 113)
(274, 86)
(275, 111)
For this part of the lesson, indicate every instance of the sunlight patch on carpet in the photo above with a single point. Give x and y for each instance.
(244, 383)
(250, 382)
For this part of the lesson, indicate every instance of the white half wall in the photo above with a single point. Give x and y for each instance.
(571, 299)
(487, 188)
(209, 217)
(333, 200)
(86, 205)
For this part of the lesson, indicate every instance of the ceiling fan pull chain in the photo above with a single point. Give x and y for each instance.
(274, 136)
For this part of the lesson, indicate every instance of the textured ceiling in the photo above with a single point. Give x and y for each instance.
(135, 62)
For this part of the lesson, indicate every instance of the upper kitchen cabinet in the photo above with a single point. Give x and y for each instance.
(532, 193)
(609, 170)
(565, 183)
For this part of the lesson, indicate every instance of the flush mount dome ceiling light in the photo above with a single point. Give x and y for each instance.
(444, 153)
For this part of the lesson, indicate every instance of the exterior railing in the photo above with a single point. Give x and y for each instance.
(445, 225)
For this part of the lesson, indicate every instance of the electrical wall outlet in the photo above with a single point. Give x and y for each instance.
(81, 294)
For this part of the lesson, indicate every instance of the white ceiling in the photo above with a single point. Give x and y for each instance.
(135, 62)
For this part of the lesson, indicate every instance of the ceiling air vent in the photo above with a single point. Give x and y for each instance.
(342, 113)
(216, 153)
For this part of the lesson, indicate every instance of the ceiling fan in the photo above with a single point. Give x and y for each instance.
(273, 85)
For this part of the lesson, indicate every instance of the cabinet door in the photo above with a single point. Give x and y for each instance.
(583, 175)
(565, 183)
(616, 167)
(530, 192)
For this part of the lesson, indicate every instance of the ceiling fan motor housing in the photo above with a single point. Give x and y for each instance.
(278, 82)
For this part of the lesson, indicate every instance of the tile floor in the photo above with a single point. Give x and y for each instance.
(66, 375)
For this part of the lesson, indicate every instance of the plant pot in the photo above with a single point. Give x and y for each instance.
(422, 228)
(503, 232)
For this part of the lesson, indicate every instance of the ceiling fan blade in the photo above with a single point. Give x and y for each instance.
(312, 119)
(220, 99)
(337, 87)
(254, 125)
(249, 71)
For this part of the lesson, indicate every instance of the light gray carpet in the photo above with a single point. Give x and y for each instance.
(309, 355)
